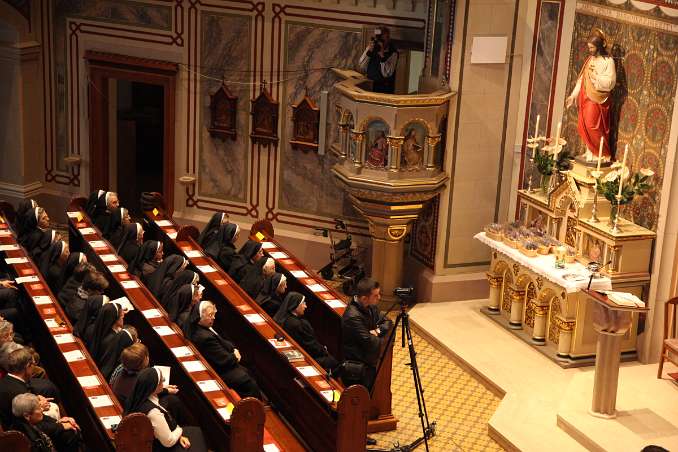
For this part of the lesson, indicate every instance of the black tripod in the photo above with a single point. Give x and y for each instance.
(428, 429)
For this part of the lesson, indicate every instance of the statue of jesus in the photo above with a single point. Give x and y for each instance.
(591, 94)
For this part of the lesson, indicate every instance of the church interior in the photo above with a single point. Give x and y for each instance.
(386, 225)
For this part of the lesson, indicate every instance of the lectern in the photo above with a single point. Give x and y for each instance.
(612, 322)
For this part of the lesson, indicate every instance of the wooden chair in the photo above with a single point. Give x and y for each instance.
(670, 344)
(14, 441)
(134, 434)
(264, 226)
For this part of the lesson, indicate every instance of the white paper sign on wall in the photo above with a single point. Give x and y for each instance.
(489, 49)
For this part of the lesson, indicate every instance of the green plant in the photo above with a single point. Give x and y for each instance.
(638, 185)
(546, 162)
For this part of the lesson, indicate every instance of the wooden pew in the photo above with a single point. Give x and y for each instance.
(325, 309)
(308, 401)
(54, 340)
(229, 423)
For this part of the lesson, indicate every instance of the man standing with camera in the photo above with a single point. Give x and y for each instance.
(379, 61)
(363, 333)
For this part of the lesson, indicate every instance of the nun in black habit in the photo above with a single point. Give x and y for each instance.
(222, 248)
(109, 338)
(115, 230)
(148, 260)
(290, 317)
(183, 277)
(72, 297)
(130, 242)
(211, 228)
(169, 436)
(253, 281)
(51, 263)
(102, 219)
(179, 306)
(23, 213)
(84, 326)
(243, 262)
(271, 293)
(166, 272)
(95, 203)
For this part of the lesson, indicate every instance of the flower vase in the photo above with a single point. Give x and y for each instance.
(545, 184)
(614, 211)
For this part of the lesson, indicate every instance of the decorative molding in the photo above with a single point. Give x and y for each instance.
(9, 190)
(626, 17)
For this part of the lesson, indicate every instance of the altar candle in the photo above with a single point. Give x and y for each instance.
(621, 170)
(600, 153)
(557, 148)
(536, 127)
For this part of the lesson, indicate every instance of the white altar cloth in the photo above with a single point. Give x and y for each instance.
(545, 266)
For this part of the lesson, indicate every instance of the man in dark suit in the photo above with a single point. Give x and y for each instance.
(221, 354)
(363, 333)
(65, 432)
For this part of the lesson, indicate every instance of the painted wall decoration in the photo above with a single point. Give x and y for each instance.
(264, 119)
(223, 114)
(377, 146)
(647, 67)
(306, 118)
(424, 233)
(413, 145)
(223, 169)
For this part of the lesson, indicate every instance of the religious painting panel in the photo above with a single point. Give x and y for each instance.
(306, 118)
(224, 111)
(264, 119)
(412, 155)
(306, 183)
(223, 167)
(543, 73)
(646, 61)
(377, 145)
(425, 233)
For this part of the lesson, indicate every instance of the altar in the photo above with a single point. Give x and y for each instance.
(543, 304)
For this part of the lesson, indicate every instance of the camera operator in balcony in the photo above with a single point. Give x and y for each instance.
(379, 61)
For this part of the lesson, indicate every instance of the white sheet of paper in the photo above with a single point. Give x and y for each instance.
(98, 244)
(299, 274)
(317, 287)
(65, 338)
(110, 421)
(279, 344)
(255, 318)
(172, 235)
(100, 400)
(42, 299)
(124, 302)
(25, 279)
(209, 385)
(206, 268)
(74, 355)
(182, 351)
(335, 303)
(73, 214)
(225, 413)
(89, 381)
(308, 371)
(193, 366)
(164, 330)
(16, 260)
(10, 247)
(86, 231)
(165, 371)
(268, 245)
(51, 323)
(151, 313)
(129, 284)
(193, 254)
(328, 394)
(278, 255)
(108, 257)
(163, 223)
(271, 448)
(5, 233)
(117, 268)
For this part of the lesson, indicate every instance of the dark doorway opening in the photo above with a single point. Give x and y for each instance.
(140, 162)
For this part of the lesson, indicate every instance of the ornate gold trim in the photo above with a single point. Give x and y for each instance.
(564, 325)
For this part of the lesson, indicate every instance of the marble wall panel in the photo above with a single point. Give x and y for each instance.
(223, 171)
(647, 69)
(306, 182)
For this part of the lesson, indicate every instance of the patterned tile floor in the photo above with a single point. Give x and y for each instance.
(459, 404)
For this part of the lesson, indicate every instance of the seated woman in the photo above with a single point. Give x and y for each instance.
(253, 281)
(23, 212)
(102, 217)
(211, 228)
(109, 338)
(130, 243)
(182, 278)
(29, 419)
(95, 203)
(181, 304)
(219, 352)
(290, 318)
(74, 297)
(243, 262)
(84, 326)
(134, 359)
(74, 260)
(51, 262)
(12, 308)
(114, 232)
(270, 297)
(148, 260)
(35, 225)
(165, 273)
(221, 247)
(169, 436)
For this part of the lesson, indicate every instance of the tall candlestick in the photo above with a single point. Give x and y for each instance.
(557, 143)
(536, 127)
(600, 153)
(621, 170)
